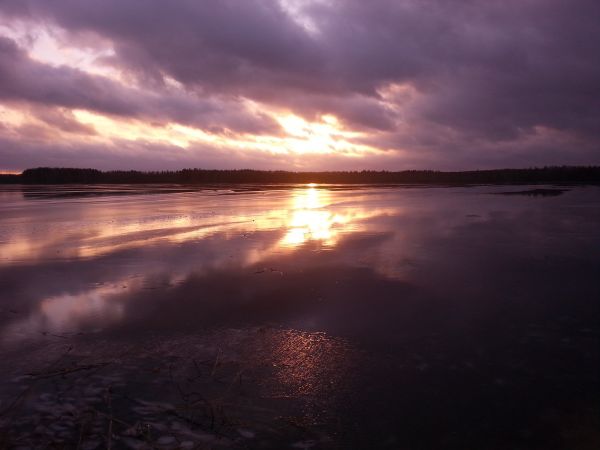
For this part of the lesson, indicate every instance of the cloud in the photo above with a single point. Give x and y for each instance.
(62, 119)
(479, 75)
(23, 79)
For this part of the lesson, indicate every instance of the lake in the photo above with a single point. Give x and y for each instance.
(304, 316)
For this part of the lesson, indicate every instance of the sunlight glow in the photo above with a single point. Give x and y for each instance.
(308, 215)
(310, 222)
(301, 137)
(12, 117)
(299, 141)
(326, 136)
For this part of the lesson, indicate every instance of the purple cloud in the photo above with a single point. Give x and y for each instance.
(25, 80)
(485, 77)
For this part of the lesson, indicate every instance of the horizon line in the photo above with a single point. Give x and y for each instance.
(246, 169)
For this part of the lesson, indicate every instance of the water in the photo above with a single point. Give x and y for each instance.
(299, 317)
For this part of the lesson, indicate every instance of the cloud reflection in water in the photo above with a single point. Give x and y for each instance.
(202, 231)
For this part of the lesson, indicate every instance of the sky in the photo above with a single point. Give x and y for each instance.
(299, 84)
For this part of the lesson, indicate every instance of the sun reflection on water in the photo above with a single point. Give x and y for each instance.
(311, 213)
(238, 231)
(310, 220)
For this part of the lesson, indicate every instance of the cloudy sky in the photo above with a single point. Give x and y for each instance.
(299, 84)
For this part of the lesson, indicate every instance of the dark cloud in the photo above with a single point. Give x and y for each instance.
(17, 151)
(25, 80)
(483, 74)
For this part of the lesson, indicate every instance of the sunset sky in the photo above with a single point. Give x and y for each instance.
(299, 84)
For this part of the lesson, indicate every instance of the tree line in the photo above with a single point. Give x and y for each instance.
(554, 174)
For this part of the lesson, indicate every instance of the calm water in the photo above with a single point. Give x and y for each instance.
(299, 317)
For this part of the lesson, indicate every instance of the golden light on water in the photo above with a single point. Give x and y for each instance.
(311, 213)
(310, 220)
(244, 226)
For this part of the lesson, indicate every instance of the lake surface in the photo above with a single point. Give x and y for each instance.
(299, 317)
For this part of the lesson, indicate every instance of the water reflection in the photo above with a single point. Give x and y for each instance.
(75, 230)
(70, 313)
(177, 237)
(302, 360)
(311, 221)
(398, 234)
(423, 297)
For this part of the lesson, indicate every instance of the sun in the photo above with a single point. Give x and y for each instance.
(324, 136)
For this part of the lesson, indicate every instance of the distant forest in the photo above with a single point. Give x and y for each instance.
(562, 174)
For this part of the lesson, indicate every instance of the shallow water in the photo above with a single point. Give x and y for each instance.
(299, 317)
